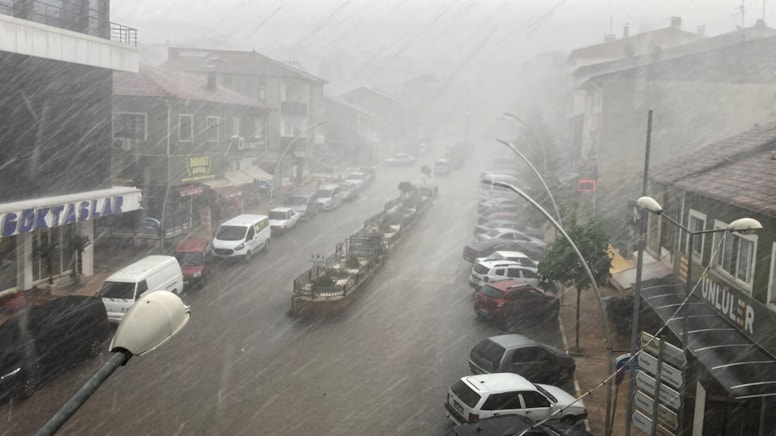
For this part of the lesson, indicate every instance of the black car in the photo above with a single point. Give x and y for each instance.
(41, 342)
(484, 248)
(304, 204)
(514, 425)
(538, 362)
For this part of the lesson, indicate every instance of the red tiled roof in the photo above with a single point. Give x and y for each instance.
(155, 82)
(739, 170)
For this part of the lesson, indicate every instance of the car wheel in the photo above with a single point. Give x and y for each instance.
(28, 387)
(95, 347)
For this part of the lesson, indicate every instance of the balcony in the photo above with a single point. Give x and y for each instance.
(46, 32)
(293, 109)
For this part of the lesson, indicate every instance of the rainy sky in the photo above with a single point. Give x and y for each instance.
(457, 41)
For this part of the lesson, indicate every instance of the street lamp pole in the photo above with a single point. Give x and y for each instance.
(552, 199)
(288, 147)
(149, 323)
(592, 281)
(536, 137)
(740, 225)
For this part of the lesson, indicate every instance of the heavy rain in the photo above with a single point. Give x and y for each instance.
(416, 217)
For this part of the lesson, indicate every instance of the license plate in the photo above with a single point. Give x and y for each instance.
(458, 407)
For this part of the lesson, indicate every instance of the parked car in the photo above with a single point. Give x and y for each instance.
(485, 247)
(442, 167)
(361, 180)
(501, 208)
(481, 396)
(242, 237)
(517, 215)
(304, 204)
(348, 191)
(517, 256)
(328, 196)
(498, 202)
(507, 224)
(42, 342)
(282, 219)
(192, 257)
(486, 271)
(510, 301)
(503, 425)
(538, 362)
(370, 172)
(400, 159)
(513, 235)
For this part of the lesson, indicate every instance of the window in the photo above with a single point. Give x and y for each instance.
(696, 222)
(129, 125)
(185, 128)
(508, 400)
(771, 280)
(534, 400)
(735, 255)
(235, 126)
(258, 128)
(212, 129)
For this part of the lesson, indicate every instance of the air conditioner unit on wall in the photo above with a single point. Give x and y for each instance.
(122, 144)
(238, 142)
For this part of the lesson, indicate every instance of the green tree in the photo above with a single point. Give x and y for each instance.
(561, 264)
(45, 250)
(77, 244)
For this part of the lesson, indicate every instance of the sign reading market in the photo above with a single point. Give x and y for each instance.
(29, 216)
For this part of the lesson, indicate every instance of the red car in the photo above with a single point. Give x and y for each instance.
(508, 301)
(191, 254)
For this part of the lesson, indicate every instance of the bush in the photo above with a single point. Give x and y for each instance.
(352, 262)
(323, 283)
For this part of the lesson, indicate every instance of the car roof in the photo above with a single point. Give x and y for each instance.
(512, 340)
(510, 284)
(328, 186)
(498, 382)
(508, 253)
(281, 209)
(492, 263)
(243, 220)
(191, 244)
(357, 173)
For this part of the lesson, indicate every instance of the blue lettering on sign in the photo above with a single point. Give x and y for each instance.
(83, 211)
(95, 213)
(117, 203)
(40, 218)
(27, 220)
(9, 224)
(106, 209)
(56, 211)
(69, 214)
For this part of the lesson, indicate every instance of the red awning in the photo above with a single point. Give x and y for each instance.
(228, 191)
(189, 190)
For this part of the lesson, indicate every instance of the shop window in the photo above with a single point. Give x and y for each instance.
(735, 255)
(129, 126)
(696, 223)
(185, 128)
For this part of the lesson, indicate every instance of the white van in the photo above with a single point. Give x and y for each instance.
(241, 236)
(329, 196)
(151, 273)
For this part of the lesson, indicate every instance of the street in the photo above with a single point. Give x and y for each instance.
(244, 366)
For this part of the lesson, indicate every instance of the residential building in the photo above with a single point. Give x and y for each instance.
(182, 139)
(350, 137)
(389, 115)
(56, 65)
(726, 326)
(293, 100)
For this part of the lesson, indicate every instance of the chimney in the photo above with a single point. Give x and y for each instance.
(609, 37)
(211, 74)
(702, 30)
(676, 23)
(625, 30)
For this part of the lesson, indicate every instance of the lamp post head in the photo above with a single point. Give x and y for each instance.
(745, 225)
(150, 322)
(649, 204)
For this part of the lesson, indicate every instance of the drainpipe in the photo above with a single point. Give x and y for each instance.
(163, 229)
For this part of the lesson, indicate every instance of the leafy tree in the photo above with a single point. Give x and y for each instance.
(406, 188)
(426, 170)
(45, 250)
(562, 265)
(77, 244)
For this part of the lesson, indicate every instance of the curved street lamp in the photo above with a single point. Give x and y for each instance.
(589, 275)
(149, 323)
(552, 199)
(741, 225)
(288, 147)
(536, 137)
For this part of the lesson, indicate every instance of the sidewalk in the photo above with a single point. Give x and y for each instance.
(593, 365)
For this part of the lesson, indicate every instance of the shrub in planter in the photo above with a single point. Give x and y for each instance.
(352, 262)
(323, 283)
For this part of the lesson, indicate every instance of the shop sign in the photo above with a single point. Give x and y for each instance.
(668, 373)
(671, 353)
(665, 395)
(665, 416)
(198, 168)
(43, 217)
(643, 423)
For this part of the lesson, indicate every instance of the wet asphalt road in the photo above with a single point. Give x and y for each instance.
(243, 366)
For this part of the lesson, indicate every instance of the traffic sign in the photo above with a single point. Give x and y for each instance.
(318, 259)
(671, 353)
(668, 373)
(665, 416)
(643, 423)
(666, 395)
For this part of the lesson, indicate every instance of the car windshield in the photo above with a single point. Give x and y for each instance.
(231, 233)
(278, 215)
(546, 394)
(489, 351)
(491, 292)
(190, 258)
(325, 193)
(118, 290)
(462, 390)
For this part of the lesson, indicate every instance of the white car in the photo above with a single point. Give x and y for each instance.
(283, 218)
(512, 235)
(503, 393)
(400, 159)
(486, 271)
(517, 256)
(329, 196)
(359, 179)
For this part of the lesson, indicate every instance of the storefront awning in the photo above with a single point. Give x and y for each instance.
(223, 187)
(624, 272)
(189, 190)
(238, 178)
(256, 173)
(742, 367)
